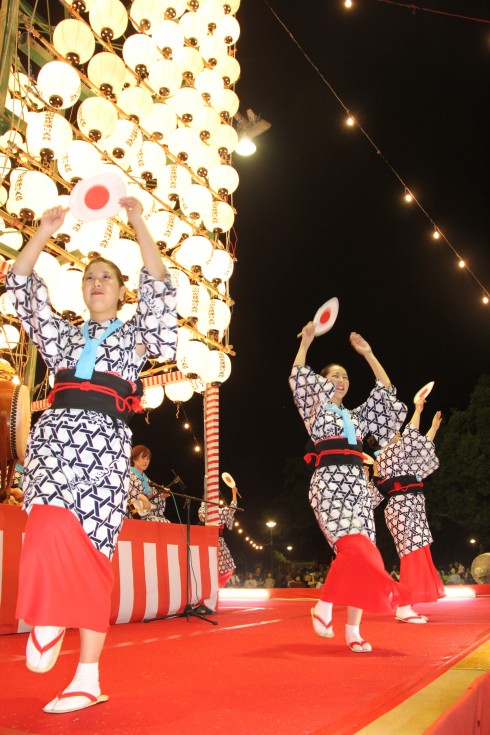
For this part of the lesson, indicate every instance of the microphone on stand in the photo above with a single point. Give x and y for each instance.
(178, 479)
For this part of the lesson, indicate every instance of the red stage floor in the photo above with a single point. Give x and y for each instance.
(260, 670)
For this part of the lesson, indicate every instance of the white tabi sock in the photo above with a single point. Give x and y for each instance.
(86, 679)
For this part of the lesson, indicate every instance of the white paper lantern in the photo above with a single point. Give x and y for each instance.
(184, 297)
(136, 102)
(126, 255)
(206, 123)
(153, 396)
(193, 359)
(168, 38)
(186, 103)
(182, 142)
(145, 197)
(165, 228)
(10, 236)
(219, 267)
(225, 139)
(146, 15)
(227, 104)
(218, 367)
(202, 159)
(210, 85)
(31, 193)
(109, 19)
(220, 219)
(80, 160)
(229, 70)
(59, 84)
(74, 40)
(97, 118)
(49, 269)
(196, 202)
(12, 138)
(9, 336)
(48, 135)
(228, 30)
(194, 28)
(231, 6)
(5, 166)
(149, 161)
(165, 77)
(194, 251)
(179, 392)
(160, 122)
(67, 294)
(127, 311)
(190, 62)
(214, 51)
(124, 143)
(223, 179)
(95, 237)
(219, 315)
(139, 52)
(212, 11)
(6, 305)
(108, 72)
(173, 182)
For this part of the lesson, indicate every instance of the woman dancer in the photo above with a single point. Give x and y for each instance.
(76, 474)
(139, 488)
(338, 490)
(402, 466)
(226, 565)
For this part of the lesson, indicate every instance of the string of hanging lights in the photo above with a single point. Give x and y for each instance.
(409, 197)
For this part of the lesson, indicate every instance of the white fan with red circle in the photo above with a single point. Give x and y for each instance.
(97, 197)
(423, 392)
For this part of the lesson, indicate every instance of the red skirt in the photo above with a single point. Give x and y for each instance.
(63, 580)
(358, 578)
(417, 571)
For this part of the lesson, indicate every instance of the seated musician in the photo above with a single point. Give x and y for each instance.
(143, 502)
(16, 496)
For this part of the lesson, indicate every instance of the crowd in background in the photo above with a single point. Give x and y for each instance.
(314, 577)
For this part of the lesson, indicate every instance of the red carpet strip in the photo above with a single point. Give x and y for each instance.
(261, 671)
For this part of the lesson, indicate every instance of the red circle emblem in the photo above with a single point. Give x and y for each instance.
(97, 197)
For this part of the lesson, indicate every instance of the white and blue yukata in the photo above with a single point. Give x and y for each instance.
(77, 460)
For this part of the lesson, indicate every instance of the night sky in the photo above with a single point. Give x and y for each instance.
(321, 214)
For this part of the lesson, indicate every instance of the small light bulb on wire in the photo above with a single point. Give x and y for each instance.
(350, 121)
(436, 234)
(187, 425)
(485, 299)
(348, 3)
(462, 264)
(408, 196)
(197, 448)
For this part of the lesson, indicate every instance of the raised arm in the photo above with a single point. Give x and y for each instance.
(419, 407)
(307, 337)
(363, 348)
(149, 251)
(51, 221)
(436, 422)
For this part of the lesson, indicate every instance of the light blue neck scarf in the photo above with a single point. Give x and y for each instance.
(86, 363)
(349, 428)
(143, 478)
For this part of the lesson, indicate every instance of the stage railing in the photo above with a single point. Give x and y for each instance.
(149, 569)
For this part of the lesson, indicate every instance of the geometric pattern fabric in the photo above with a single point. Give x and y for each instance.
(79, 459)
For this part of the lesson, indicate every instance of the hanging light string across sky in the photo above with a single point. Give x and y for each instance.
(409, 196)
(414, 8)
